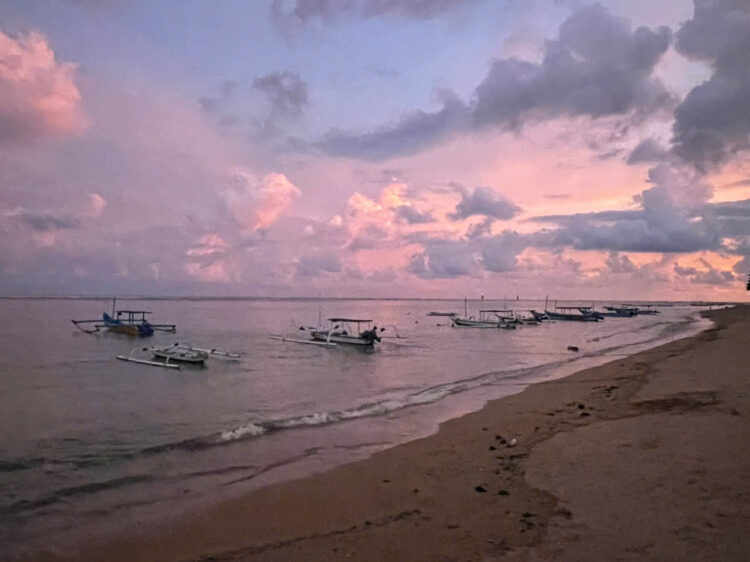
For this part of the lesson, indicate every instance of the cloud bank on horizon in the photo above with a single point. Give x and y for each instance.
(580, 150)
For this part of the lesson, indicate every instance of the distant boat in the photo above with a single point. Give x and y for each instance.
(487, 319)
(624, 311)
(539, 316)
(584, 314)
(644, 309)
(441, 314)
(129, 322)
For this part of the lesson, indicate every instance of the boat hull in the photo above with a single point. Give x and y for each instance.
(323, 335)
(571, 317)
(189, 356)
(497, 325)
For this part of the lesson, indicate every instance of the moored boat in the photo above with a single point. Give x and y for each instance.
(497, 319)
(347, 331)
(129, 322)
(585, 314)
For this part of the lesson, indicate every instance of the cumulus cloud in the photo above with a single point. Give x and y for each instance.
(38, 95)
(286, 93)
(708, 276)
(499, 253)
(443, 259)
(713, 122)
(257, 204)
(448, 259)
(598, 66)
(483, 201)
(668, 220)
(620, 263)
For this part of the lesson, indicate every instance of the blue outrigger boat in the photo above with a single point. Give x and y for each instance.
(129, 322)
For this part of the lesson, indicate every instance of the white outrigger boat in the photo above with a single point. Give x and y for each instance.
(497, 319)
(171, 356)
(346, 331)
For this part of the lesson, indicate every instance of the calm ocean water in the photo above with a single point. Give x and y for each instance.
(88, 440)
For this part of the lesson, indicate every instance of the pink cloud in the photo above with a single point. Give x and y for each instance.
(38, 94)
(255, 204)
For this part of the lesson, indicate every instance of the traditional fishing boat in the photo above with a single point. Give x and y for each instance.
(347, 331)
(487, 319)
(180, 354)
(645, 309)
(624, 311)
(170, 356)
(539, 316)
(584, 314)
(129, 322)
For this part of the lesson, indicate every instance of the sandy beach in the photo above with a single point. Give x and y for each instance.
(645, 458)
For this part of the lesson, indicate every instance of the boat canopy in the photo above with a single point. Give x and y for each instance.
(496, 310)
(573, 307)
(348, 320)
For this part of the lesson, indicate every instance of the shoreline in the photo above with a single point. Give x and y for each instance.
(464, 491)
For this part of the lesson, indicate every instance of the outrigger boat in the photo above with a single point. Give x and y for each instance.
(585, 314)
(646, 310)
(171, 356)
(340, 331)
(497, 319)
(624, 311)
(348, 331)
(130, 322)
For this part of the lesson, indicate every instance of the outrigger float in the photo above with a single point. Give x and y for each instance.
(129, 322)
(171, 356)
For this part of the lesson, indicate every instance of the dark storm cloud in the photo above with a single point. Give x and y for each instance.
(604, 216)
(42, 221)
(630, 236)
(647, 150)
(484, 201)
(302, 12)
(597, 67)
(713, 122)
(415, 132)
(285, 91)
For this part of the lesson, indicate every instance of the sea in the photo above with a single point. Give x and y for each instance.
(90, 443)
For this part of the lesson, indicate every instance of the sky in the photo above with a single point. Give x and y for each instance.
(375, 148)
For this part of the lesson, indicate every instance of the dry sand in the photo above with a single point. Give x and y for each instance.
(645, 458)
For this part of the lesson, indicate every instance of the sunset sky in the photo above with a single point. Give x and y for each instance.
(367, 148)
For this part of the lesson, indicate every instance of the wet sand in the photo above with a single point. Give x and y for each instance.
(645, 458)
